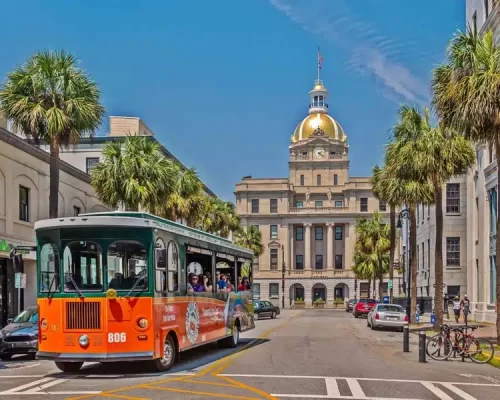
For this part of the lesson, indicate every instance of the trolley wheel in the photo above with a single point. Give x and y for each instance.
(69, 366)
(232, 341)
(167, 361)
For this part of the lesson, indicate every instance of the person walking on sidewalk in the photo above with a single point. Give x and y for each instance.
(457, 305)
(465, 303)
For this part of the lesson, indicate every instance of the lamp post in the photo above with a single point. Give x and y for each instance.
(282, 276)
(405, 214)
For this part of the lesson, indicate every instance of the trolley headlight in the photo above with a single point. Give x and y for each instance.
(143, 323)
(84, 340)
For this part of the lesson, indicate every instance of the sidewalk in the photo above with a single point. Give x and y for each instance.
(485, 330)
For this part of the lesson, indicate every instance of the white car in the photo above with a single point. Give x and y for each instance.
(387, 316)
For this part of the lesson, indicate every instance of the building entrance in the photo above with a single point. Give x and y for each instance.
(9, 298)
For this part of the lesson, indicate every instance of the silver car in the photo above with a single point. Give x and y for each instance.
(387, 316)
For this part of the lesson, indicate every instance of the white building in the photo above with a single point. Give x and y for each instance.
(24, 199)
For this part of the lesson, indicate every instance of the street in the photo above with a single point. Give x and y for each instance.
(311, 354)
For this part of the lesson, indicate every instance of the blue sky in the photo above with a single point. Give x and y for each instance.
(224, 83)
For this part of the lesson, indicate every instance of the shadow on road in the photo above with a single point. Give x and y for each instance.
(190, 360)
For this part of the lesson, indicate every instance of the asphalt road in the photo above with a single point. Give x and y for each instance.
(313, 354)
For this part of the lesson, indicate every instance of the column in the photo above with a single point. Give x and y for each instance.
(291, 252)
(307, 246)
(329, 246)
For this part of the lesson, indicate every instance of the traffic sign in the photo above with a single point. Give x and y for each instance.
(389, 285)
(20, 280)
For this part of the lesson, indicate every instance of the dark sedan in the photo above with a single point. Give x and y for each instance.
(21, 335)
(351, 303)
(264, 308)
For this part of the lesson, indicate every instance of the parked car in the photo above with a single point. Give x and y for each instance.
(387, 316)
(21, 335)
(264, 308)
(351, 303)
(363, 307)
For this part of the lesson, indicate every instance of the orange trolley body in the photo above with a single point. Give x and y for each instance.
(113, 287)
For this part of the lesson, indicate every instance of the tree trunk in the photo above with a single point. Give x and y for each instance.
(438, 262)
(380, 278)
(393, 250)
(413, 261)
(497, 155)
(370, 288)
(54, 179)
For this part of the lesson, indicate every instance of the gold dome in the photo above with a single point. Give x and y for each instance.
(318, 86)
(314, 121)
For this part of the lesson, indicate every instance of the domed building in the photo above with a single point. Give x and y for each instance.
(308, 219)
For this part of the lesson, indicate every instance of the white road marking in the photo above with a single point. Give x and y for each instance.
(358, 379)
(438, 392)
(355, 388)
(21, 376)
(332, 388)
(319, 396)
(46, 385)
(460, 392)
(26, 386)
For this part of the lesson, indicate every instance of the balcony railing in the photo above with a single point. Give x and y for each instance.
(318, 104)
(318, 210)
(307, 157)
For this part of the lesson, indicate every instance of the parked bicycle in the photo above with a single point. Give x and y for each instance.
(457, 340)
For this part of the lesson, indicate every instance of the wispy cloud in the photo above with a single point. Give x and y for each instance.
(369, 54)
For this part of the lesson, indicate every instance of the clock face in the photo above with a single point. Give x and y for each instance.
(319, 152)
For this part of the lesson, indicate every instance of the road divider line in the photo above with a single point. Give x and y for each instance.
(117, 396)
(212, 383)
(355, 388)
(457, 391)
(26, 386)
(436, 391)
(320, 396)
(332, 388)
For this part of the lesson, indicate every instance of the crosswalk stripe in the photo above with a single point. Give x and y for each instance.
(438, 392)
(355, 388)
(332, 388)
(47, 385)
(26, 386)
(460, 392)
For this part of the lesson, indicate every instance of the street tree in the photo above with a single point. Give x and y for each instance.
(53, 101)
(380, 179)
(134, 173)
(372, 248)
(436, 155)
(408, 186)
(250, 238)
(466, 96)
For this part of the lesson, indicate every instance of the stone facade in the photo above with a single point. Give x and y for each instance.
(308, 220)
(24, 199)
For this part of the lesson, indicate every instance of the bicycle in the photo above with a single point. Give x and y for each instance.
(456, 339)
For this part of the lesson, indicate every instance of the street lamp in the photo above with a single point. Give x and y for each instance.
(282, 276)
(405, 214)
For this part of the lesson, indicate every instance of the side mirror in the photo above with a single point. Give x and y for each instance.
(10, 321)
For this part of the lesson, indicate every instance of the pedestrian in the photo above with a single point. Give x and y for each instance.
(466, 308)
(457, 305)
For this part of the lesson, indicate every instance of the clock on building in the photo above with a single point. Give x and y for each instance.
(319, 152)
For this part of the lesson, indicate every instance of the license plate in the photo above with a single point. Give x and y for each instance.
(392, 318)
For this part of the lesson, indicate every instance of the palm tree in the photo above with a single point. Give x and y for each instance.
(372, 248)
(408, 185)
(380, 179)
(133, 172)
(250, 238)
(184, 201)
(466, 96)
(53, 101)
(437, 157)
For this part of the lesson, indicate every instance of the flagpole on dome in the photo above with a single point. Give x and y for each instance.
(320, 62)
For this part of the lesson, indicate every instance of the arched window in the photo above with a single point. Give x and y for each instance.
(160, 265)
